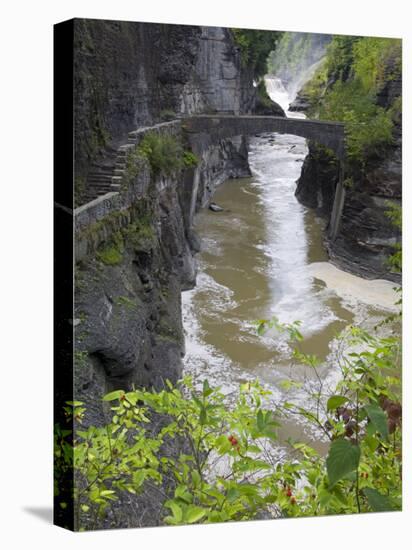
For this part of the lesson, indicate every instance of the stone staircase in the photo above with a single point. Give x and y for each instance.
(106, 176)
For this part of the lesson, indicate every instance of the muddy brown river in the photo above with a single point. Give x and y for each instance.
(262, 257)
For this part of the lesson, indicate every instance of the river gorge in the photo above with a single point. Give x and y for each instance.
(210, 197)
(263, 256)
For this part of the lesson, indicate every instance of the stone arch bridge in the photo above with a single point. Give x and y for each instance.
(202, 130)
(330, 134)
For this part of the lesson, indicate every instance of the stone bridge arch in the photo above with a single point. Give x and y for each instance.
(205, 130)
(329, 134)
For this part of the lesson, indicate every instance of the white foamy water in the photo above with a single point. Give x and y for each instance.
(375, 292)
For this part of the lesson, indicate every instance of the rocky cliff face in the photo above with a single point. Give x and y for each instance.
(128, 309)
(366, 236)
(125, 74)
(129, 75)
(133, 264)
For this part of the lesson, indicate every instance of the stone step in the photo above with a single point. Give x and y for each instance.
(100, 174)
(100, 185)
(97, 192)
(124, 148)
(99, 178)
(94, 185)
(103, 170)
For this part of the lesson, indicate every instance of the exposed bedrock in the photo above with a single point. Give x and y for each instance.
(129, 75)
(137, 255)
(366, 236)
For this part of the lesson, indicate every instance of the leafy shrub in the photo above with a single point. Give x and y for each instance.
(231, 470)
(165, 153)
(112, 253)
(394, 213)
(368, 126)
(190, 159)
(134, 161)
(346, 89)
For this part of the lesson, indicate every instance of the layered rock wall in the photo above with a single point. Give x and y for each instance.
(135, 248)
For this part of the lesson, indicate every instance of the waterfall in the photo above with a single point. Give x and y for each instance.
(295, 61)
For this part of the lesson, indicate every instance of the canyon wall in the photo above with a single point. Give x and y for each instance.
(129, 75)
(366, 237)
(135, 248)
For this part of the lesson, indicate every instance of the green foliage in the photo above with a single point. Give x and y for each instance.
(263, 325)
(255, 47)
(376, 60)
(343, 458)
(165, 154)
(339, 58)
(394, 213)
(346, 88)
(377, 501)
(80, 358)
(112, 253)
(140, 234)
(227, 468)
(189, 159)
(295, 52)
(134, 163)
(368, 126)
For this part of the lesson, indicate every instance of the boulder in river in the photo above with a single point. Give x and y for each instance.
(215, 207)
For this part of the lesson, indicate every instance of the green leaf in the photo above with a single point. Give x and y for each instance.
(336, 401)
(377, 501)
(223, 445)
(106, 492)
(261, 327)
(176, 510)
(194, 514)
(182, 493)
(113, 395)
(260, 420)
(343, 458)
(232, 494)
(207, 390)
(378, 418)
